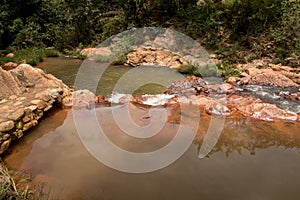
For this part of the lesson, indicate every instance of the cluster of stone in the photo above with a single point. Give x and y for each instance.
(26, 93)
(224, 100)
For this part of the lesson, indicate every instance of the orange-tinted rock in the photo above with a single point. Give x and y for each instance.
(10, 55)
(217, 109)
(267, 77)
(137, 99)
(9, 66)
(101, 99)
(144, 56)
(255, 108)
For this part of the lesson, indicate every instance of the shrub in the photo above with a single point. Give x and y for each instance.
(287, 34)
(30, 56)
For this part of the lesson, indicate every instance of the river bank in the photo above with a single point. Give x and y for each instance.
(239, 100)
(26, 94)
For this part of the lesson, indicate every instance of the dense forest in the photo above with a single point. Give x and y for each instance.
(266, 27)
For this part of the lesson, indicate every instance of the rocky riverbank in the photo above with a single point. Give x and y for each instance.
(26, 93)
(225, 100)
(231, 98)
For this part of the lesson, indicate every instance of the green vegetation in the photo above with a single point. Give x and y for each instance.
(31, 56)
(187, 69)
(227, 70)
(261, 28)
(120, 61)
(9, 189)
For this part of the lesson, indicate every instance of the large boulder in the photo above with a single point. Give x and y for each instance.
(10, 84)
(26, 93)
(24, 77)
(266, 77)
(9, 66)
(148, 56)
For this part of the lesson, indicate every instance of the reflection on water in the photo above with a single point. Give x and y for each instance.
(66, 69)
(252, 160)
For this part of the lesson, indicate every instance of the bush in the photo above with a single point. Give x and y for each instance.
(227, 70)
(51, 53)
(120, 61)
(287, 33)
(30, 56)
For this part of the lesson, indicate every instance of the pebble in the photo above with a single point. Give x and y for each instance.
(13, 97)
(4, 146)
(32, 107)
(15, 115)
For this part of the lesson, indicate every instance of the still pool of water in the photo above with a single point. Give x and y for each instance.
(66, 69)
(252, 160)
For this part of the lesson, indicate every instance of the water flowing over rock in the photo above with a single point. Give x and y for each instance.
(222, 99)
(194, 90)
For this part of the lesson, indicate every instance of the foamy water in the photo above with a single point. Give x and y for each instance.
(151, 100)
(156, 100)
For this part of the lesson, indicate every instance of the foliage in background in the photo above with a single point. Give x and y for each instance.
(30, 56)
(287, 33)
(68, 24)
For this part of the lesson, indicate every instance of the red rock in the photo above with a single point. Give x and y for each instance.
(137, 99)
(101, 99)
(217, 109)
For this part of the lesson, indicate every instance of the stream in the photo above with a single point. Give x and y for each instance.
(251, 160)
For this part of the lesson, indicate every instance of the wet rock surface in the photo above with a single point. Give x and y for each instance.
(255, 76)
(222, 99)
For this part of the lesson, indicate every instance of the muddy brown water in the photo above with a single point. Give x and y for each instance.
(252, 160)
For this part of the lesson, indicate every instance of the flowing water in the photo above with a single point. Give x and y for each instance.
(251, 160)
